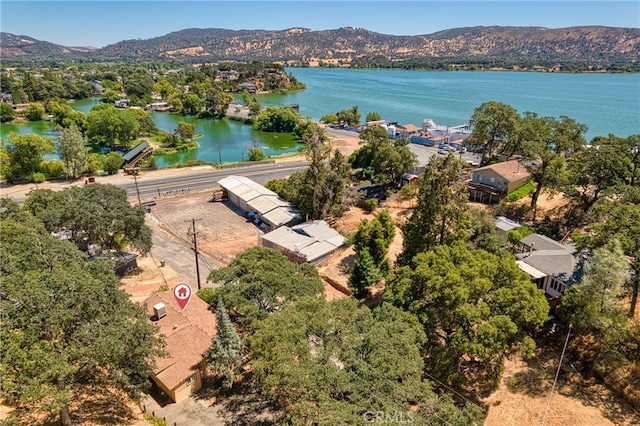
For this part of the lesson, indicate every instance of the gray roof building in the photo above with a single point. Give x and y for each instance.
(550, 264)
(261, 203)
(310, 242)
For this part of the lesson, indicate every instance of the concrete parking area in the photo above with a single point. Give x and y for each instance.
(222, 231)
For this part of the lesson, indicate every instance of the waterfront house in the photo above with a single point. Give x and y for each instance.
(491, 183)
(188, 334)
(310, 242)
(249, 87)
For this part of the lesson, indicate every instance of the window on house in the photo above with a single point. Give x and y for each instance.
(493, 180)
(191, 379)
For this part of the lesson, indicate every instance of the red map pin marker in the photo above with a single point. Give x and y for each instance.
(182, 293)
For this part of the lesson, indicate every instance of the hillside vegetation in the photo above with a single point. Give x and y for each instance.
(591, 46)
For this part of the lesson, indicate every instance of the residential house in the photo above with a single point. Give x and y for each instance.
(406, 130)
(551, 265)
(310, 242)
(188, 335)
(249, 87)
(491, 183)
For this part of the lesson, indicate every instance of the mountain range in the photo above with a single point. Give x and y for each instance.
(595, 45)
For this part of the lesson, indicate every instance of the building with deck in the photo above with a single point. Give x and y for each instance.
(491, 183)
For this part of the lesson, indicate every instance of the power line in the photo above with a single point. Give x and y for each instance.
(555, 380)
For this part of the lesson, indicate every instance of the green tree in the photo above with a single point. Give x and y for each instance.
(349, 116)
(94, 214)
(493, 124)
(216, 102)
(112, 162)
(24, 154)
(191, 104)
(65, 323)
(185, 131)
(593, 307)
(329, 118)
(364, 274)
(483, 231)
(254, 109)
(546, 142)
(164, 87)
(226, 351)
(441, 215)
(373, 116)
(72, 150)
(138, 86)
(618, 220)
(386, 160)
(7, 113)
(333, 362)
(108, 125)
(260, 281)
(475, 307)
(596, 172)
(323, 188)
(145, 122)
(277, 119)
(375, 237)
(34, 112)
(256, 154)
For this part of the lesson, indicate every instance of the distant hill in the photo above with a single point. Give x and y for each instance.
(30, 49)
(344, 46)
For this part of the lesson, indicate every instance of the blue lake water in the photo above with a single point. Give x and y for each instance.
(606, 103)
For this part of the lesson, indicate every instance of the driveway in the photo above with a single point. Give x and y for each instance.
(245, 407)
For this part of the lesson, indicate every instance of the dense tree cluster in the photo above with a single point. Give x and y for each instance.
(340, 363)
(95, 214)
(65, 321)
(383, 159)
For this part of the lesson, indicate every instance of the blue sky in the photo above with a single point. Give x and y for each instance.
(99, 23)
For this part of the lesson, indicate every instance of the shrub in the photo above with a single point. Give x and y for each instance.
(520, 193)
(53, 169)
(371, 204)
(515, 235)
(256, 154)
(37, 178)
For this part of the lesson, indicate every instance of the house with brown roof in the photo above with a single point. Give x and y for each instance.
(188, 334)
(491, 183)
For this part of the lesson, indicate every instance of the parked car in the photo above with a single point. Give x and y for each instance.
(443, 151)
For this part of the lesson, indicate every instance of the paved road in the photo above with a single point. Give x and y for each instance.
(153, 186)
(167, 181)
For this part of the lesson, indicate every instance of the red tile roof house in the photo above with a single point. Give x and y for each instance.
(491, 183)
(188, 335)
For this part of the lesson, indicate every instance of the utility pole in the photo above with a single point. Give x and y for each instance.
(195, 247)
(135, 178)
(219, 156)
